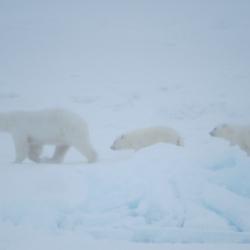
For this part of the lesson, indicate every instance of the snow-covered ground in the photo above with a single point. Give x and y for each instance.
(123, 65)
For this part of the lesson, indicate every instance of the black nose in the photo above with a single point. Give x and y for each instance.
(211, 133)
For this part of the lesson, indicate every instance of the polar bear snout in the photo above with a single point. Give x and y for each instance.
(114, 146)
(212, 133)
(118, 143)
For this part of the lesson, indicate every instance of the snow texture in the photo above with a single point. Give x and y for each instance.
(123, 65)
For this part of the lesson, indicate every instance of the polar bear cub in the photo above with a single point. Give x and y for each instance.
(236, 135)
(144, 137)
(34, 129)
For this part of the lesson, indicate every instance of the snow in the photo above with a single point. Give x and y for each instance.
(123, 65)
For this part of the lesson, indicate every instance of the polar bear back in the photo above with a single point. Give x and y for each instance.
(154, 135)
(47, 126)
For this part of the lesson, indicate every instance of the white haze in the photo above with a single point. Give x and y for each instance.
(123, 65)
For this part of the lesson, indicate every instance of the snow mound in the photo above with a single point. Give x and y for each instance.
(162, 193)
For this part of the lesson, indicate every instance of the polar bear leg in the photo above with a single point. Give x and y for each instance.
(21, 147)
(87, 151)
(59, 153)
(35, 151)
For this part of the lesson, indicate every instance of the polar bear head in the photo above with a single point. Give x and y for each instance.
(223, 131)
(121, 142)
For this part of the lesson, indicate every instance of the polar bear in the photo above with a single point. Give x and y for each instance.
(144, 137)
(236, 135)
(31, 130)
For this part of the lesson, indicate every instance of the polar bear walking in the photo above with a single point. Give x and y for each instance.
(236, 135)
(144, 137)
(34, 129)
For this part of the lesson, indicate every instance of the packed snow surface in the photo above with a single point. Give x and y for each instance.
(124, 65)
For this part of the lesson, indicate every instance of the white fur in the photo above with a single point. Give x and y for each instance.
(236, 135)
(32, 130)
(144, 137)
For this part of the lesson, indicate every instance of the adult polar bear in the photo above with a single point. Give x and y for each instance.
(144, 137)
(34, 129)
(236, 135)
